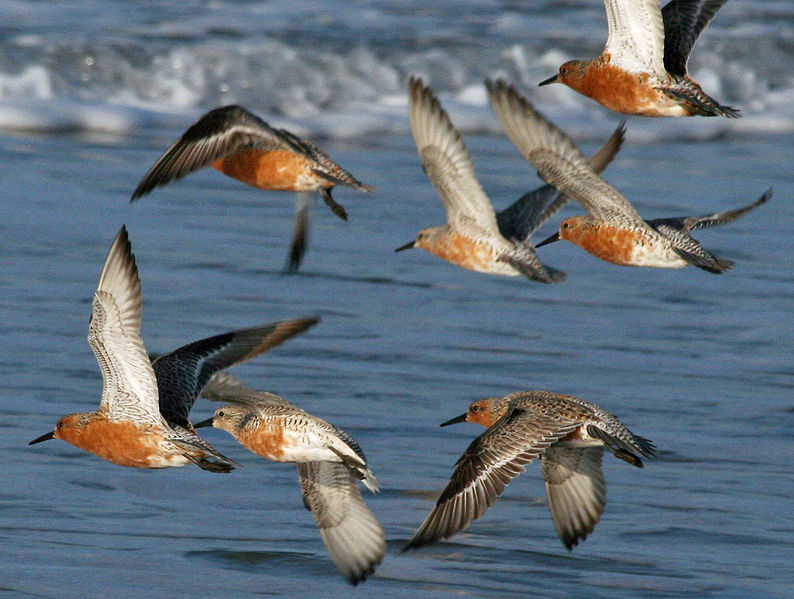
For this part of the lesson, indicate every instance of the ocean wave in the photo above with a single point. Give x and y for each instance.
(344, 86)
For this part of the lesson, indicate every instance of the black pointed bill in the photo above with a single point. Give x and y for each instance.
(44, 437)
(548, 240)
(455, 420)
(407, 246)
(549, 80)
(203, 423)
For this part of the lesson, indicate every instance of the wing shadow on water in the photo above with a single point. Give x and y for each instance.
(257, 561)
(306, 273)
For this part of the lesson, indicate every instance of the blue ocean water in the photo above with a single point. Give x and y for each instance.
(92, 92)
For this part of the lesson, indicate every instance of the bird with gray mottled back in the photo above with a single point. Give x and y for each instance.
(183, 373)
(612, 230)
(475, 237)
(330, 463)
(568, 434)
(529, 212)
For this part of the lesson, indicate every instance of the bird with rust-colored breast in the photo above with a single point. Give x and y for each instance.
(330, 466)
(643, 68)
(142, 420)
(612, 230)
(184, 372)
(569, 436)
(239, 144)
(475, 237)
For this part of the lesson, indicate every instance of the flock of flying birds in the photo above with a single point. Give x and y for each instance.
(143, 417)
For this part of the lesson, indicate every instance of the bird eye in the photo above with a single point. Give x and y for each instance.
(60, 424)
(220, 414)
(564, 225)
(563, 70)
(475, 408)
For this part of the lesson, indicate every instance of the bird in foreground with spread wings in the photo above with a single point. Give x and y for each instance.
(142, 420)
(330, 465)
(568, 434)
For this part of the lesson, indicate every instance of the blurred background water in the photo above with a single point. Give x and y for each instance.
(92, 92)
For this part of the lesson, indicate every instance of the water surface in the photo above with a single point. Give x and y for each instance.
(91, 93)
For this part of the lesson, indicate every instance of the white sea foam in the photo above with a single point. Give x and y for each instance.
(34, 82)
(344, 74)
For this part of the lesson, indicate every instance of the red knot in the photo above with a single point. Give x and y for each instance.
(330, 465)
(613, 230)
(568, 434)
(142, 420)
(475, 237)
(642, 69)
(242, 146)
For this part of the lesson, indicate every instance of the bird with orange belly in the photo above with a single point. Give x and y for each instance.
(475, 237)
(330, 465)
(642, 69)
(569, 436)
(239, 144)
(142, 420)
(612, 230)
